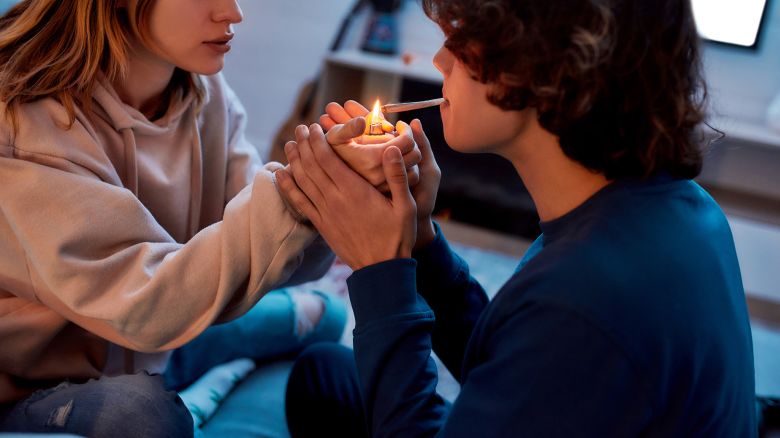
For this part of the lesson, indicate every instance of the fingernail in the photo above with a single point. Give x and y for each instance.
(301, 131)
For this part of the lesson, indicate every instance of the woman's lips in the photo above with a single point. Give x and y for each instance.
(220, 45)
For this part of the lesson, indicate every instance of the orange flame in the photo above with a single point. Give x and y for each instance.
(375, 120)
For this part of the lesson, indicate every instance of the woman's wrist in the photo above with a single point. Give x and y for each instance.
(297, 215)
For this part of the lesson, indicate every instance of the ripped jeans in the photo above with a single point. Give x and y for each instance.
(147, 405)
(269, 331)
(122, 406)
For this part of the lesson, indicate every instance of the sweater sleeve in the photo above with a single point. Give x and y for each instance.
(93, 253)
(243, 162)
(530, 374)
(456, 298)
(392, 342)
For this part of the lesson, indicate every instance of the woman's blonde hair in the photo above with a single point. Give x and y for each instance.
(58, 48)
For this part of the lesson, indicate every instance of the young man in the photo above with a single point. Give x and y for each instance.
(627, 315)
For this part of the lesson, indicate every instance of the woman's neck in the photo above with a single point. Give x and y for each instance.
(557, 183)
(147, 79)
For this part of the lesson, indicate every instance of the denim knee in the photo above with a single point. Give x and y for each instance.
(121, 406)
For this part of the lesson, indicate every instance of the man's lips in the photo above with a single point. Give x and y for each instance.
(444, 95)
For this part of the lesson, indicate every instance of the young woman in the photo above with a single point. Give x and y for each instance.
(135, 214)
(627, 315)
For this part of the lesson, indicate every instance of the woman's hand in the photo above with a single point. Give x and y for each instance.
(346, 124)
(362, 226)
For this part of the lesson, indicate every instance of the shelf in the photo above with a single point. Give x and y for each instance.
(747, 131)
(419, 69)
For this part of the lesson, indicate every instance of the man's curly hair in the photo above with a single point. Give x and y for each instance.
(618, 81)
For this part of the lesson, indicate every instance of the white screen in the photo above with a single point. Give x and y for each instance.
(729, 21)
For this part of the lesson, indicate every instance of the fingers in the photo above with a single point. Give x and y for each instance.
(301, 207)
(405, 140)
(341, 134)
(337, 171)
(413, 175)
(387, 126)
(422, 141)
(402, 128)
(406, 143)
(299, 169)
(273, 166)
(412, 158)
(395, 173)
(337, 113)
(326, 122)
(312, 164)
(354, 109)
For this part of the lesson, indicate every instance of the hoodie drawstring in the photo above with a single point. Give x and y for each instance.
(131, 169)
(196, 178)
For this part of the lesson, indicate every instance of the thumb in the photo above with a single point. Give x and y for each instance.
(395, 174)
(341, 134)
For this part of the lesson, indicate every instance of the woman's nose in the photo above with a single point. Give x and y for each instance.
(228, 11)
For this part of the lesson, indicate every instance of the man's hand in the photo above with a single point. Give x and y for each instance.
(425, 191)
(362, 226)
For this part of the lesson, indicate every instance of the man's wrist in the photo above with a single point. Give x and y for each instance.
(426, 233)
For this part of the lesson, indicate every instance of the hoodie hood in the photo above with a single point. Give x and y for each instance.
(157, 160)
(121, 116)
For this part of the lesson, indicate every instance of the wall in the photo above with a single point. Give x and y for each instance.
(278, 47)
(743, 83)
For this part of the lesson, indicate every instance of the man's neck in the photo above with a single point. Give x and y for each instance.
(557, 183)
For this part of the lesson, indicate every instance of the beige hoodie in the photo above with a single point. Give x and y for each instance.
(120, 233)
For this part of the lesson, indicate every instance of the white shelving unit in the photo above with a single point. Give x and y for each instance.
(351, 73)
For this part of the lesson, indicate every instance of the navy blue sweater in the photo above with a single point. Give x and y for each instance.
(626, 317)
